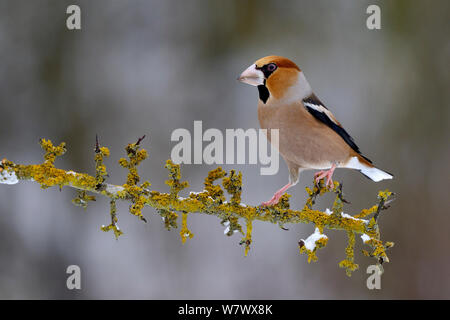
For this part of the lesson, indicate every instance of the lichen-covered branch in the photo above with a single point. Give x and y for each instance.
(211, 201)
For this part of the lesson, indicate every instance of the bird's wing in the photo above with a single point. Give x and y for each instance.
(317, 109)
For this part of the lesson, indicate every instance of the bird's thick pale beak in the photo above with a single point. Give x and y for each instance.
(252, 76)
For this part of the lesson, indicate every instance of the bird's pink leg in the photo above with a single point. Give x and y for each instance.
(276, 197)
(328, 174)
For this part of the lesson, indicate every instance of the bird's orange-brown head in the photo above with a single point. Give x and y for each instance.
(276, 77)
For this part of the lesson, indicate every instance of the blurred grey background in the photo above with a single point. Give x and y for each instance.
(149, 67)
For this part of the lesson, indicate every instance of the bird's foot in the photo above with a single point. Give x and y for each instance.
(277, 196)
(326, 174)
(273, 201)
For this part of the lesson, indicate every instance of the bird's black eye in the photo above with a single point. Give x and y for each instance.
(271, 67)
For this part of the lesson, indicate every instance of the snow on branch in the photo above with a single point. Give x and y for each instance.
(211, 201)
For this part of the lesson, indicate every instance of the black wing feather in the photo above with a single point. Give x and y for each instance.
(323, 117)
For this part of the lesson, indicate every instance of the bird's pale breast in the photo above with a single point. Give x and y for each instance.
(303, 139)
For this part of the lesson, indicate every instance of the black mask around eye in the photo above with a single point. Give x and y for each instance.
(268, 69)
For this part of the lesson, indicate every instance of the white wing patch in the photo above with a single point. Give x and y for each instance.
(322, 109)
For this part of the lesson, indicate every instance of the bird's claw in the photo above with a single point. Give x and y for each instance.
(326, 174)
(329, 183)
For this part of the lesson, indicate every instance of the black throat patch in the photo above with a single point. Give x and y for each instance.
(263, 93)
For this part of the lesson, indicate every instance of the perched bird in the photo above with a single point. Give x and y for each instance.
(310, 137)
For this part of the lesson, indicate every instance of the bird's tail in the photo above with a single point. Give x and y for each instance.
(367, 168)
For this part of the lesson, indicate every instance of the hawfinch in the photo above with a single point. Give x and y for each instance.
(310, 137)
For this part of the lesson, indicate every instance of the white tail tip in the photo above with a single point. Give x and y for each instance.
(370, 172)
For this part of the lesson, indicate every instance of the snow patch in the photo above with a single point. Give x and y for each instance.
(344, 215)
(227, 229)
(193, 192)
(310, 242)
(365, 238)
(7, 177)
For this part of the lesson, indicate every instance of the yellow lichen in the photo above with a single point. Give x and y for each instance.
(169, 218)
(366, 212)
(82, 199)
(51, 152)
(132, 191)
(113, 225)
(185, 232)
(215, 191)
(174, 178)
(100, 168)
(248, 237)
(348, 264)
(233, 185)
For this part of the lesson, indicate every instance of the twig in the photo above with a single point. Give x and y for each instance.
(210, 201)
